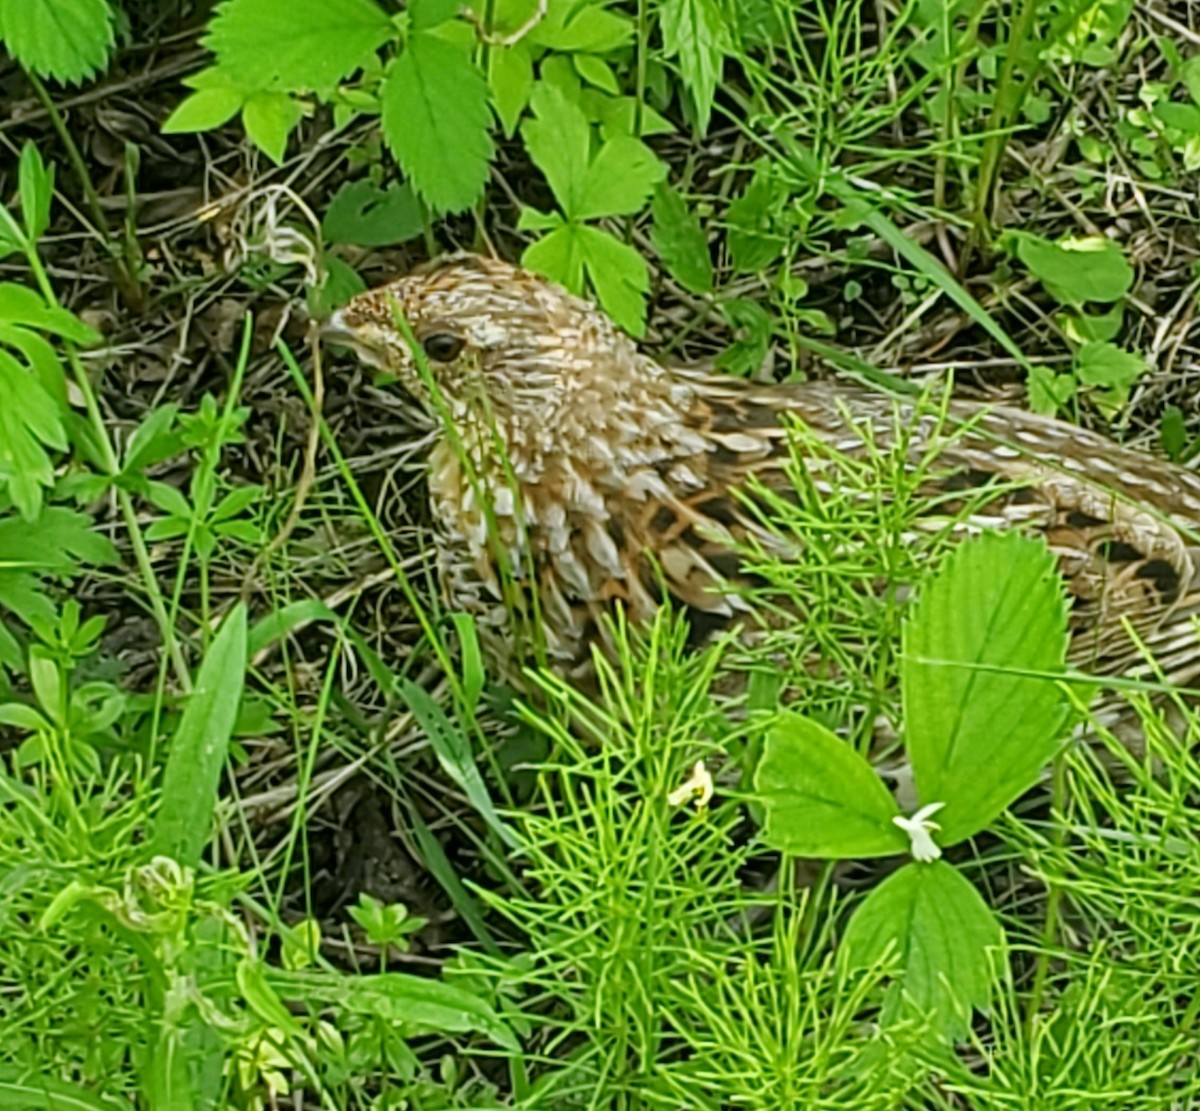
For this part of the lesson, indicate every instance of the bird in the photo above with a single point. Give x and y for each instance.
(572, 474)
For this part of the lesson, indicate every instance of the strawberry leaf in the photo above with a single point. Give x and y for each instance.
(68, 40)
(303, 44)
(435, 121)
(680, 241)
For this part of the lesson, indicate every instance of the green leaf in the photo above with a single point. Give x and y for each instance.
(23, 1090)
(21, 305)
(298, 45)
(694, 32)
(68, 40)
(424, 14)
(268, 118)
(569, 26)
(1105, 364)
(754, 242)
(753, 330)
(36, 191)
(397, 997)
(1049, 392)
(680, 242)
(510, 75)
(197, 755)
(618, 180)
(30, 422)
(821, 798)
(435, 121)
(58, 542)
(558, 256)
(618, 274)
(364, 214)
(1084, 327)
(453, 751)
(341, 283)
(596, 72)
(1181, 117)
(204, 110)
(1076, 271)
(978, 733)
(944, 937)
(558, 140)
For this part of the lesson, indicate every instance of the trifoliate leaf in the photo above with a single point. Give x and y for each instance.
(979, 727)
(680, 241)
(366, 215)
(618, 181)
(435, 121)
(268, 118)
(297, 45)
(753, 329)
(424, 14)
(694, 32)
(754, 241)
(1076, 271)
(821, 798)
(68, 40)
(1049, 392)
(947, 943)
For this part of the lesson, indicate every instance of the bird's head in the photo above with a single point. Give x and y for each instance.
(491, 335)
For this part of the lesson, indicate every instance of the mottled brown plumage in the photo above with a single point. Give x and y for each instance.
(568, 456)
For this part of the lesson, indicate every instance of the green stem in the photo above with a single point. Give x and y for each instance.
(1053, 903)
(112, 468)
(1009, 97)
(131, 290)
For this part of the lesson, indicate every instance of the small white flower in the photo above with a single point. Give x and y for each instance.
(918, 827)
(697, 788)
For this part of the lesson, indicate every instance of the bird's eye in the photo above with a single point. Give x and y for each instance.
(442, 347)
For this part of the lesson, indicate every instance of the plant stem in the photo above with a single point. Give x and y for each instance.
(1053, 902)
(112, 468)
(130, 289)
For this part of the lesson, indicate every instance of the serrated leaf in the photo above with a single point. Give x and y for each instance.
(944, 937)
(1076, 271)
(204, 110)
(558, 256)
(753, 330)
(619, 179)
(754, 242)
(364, 214)
(41, 357)
(694, 32)
(197, 754)
(821, 798)
(1049, 392)
(510, 76)
(68, 40)
(435, 121)
(680, 242)
(298, 45)
(618, 274)
(978, 733)
(36, 191)
(268, 118)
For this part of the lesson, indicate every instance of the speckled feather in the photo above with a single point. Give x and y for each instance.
(587, 455)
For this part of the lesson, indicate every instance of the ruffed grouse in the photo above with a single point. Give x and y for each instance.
(568, 460)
